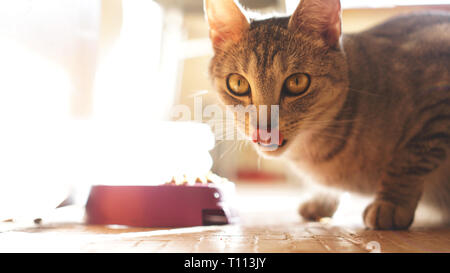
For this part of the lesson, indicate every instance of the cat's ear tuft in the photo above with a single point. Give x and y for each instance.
(322, 17)
(226, 19)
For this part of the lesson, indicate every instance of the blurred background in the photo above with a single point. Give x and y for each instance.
(87, 89)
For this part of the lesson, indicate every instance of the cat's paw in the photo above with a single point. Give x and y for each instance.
(318, 207)
(382, 214)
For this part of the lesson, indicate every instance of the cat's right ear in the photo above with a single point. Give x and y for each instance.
(226, 19)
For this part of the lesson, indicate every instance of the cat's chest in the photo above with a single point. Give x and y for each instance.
(350, 170)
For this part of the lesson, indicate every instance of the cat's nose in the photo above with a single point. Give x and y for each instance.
(265, 136)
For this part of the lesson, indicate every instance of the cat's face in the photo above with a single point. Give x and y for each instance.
(278, 61)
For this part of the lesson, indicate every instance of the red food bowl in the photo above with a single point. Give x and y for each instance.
(162, 206)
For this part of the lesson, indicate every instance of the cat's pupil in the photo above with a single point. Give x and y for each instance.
(296, 81)
(239, 83)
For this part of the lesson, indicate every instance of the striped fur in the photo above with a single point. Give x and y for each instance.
(376, 118)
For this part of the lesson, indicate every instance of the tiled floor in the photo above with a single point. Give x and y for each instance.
(269, 223)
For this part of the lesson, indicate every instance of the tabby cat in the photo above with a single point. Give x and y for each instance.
(366, 112)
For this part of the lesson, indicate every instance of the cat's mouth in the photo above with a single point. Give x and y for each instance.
(266, 142)
(272, 146)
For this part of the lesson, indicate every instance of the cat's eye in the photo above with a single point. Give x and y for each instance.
(238, 85)
(297, 84)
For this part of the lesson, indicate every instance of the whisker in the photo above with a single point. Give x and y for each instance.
(365, 92)
(321, 134)
(227, 134)
(233, 145)
(198, 93)
(330, 121)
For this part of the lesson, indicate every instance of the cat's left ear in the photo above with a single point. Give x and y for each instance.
(321, 17)
(226, 19)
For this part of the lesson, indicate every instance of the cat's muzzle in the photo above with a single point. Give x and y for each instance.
(268, 139)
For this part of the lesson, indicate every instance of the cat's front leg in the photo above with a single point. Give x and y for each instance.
(320, 206)
(403, 181)
(388, 214)
(396, 200)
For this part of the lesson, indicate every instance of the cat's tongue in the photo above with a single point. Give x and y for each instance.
(264, 136)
